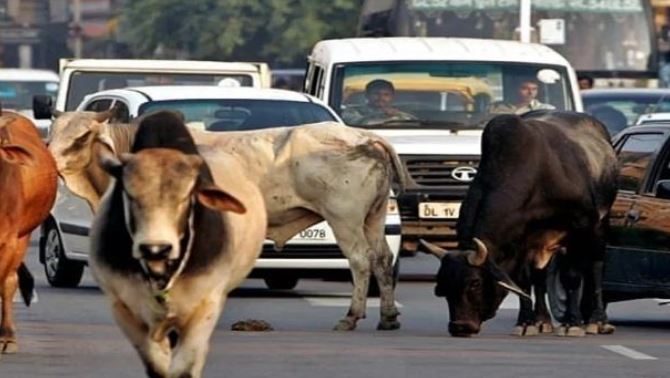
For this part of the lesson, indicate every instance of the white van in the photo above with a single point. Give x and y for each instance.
(442, 92)
(18, 86)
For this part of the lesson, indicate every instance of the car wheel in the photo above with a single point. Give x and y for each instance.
(281, 282)
(556, 293)
(373, 289)
(60, 271)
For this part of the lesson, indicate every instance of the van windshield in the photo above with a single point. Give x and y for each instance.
(444, 94)
(83, 83)
(18, 95)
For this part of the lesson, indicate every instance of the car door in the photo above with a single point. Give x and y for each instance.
(638, 256)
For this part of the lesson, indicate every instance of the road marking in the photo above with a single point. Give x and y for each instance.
(630, 353)
(341, 302)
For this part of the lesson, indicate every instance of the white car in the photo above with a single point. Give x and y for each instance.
(311, 253)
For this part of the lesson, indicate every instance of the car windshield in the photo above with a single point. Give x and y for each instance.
(19, 94)
(243, 114)
(83, 83)
(444, 94)
(620, 111)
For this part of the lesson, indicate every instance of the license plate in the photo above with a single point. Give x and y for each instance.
(312, 233)
(439, 210)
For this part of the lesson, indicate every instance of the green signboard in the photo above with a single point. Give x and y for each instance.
(595, 6)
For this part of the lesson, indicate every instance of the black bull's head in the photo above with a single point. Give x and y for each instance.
(473, 284)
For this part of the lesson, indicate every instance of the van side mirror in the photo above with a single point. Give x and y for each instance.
(42, 106)
(663, 189)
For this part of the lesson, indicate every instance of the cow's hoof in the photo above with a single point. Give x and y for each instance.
(571, 331)
(345, 325)
(545, 327)
(388, 325)
(591, 329)
(9, 347)
(528, 330)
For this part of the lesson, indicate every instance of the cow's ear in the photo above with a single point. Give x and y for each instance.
(504, 280)
(217, 199)
(15, 154)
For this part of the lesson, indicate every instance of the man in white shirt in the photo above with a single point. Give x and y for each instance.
(526, 100)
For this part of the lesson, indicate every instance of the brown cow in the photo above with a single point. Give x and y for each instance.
(28, 180)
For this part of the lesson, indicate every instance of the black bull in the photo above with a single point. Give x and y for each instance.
(545, 185)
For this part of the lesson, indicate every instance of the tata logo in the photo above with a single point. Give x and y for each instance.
(465, 174)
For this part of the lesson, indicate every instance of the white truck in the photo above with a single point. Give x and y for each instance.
(80, 77)
(443, 92)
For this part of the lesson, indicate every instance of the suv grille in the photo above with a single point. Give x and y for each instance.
(436, 171)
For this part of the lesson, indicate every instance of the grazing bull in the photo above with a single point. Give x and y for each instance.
(306, 174)
(28, 180)
(546, 182)
(169, 243)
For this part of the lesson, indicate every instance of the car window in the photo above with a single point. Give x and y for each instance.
(122, 114)
(635, 155)
(237, 115)
(99, 105)
(19, 94)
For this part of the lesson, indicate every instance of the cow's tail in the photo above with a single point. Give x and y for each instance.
(398, 169)
(26, 284)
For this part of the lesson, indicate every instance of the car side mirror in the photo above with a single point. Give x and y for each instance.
(663, 189)
(42, 106)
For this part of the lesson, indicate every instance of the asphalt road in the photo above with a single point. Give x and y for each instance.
(70, 333)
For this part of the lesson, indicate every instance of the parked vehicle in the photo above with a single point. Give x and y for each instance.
(447, 88)
(619, 108)
(18, 86)
(312, 253)
(79, 77)
(638, 252)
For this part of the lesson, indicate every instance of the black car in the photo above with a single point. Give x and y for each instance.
(637, 262)
(619, 108)
(638, 253)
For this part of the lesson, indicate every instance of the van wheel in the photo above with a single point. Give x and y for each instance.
(281, 282)
(373, 289)
(60, 271)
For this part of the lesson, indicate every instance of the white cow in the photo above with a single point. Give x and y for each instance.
(306, 174)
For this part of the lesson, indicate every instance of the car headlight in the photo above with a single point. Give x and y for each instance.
(392, 207)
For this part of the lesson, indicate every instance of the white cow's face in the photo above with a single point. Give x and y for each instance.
(72, 137)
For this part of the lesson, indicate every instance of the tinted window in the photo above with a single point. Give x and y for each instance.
(635, 155)
(99, 105)
(19, 94)
(622, 111)
(235, 115)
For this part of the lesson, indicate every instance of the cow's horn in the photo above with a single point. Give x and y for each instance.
(514, 289)
(104, 115)
(435, 250)
(478, 257)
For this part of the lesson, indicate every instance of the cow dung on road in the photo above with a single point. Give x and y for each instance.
(252, 325)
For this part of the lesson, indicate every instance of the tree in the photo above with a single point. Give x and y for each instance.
(280, 32)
